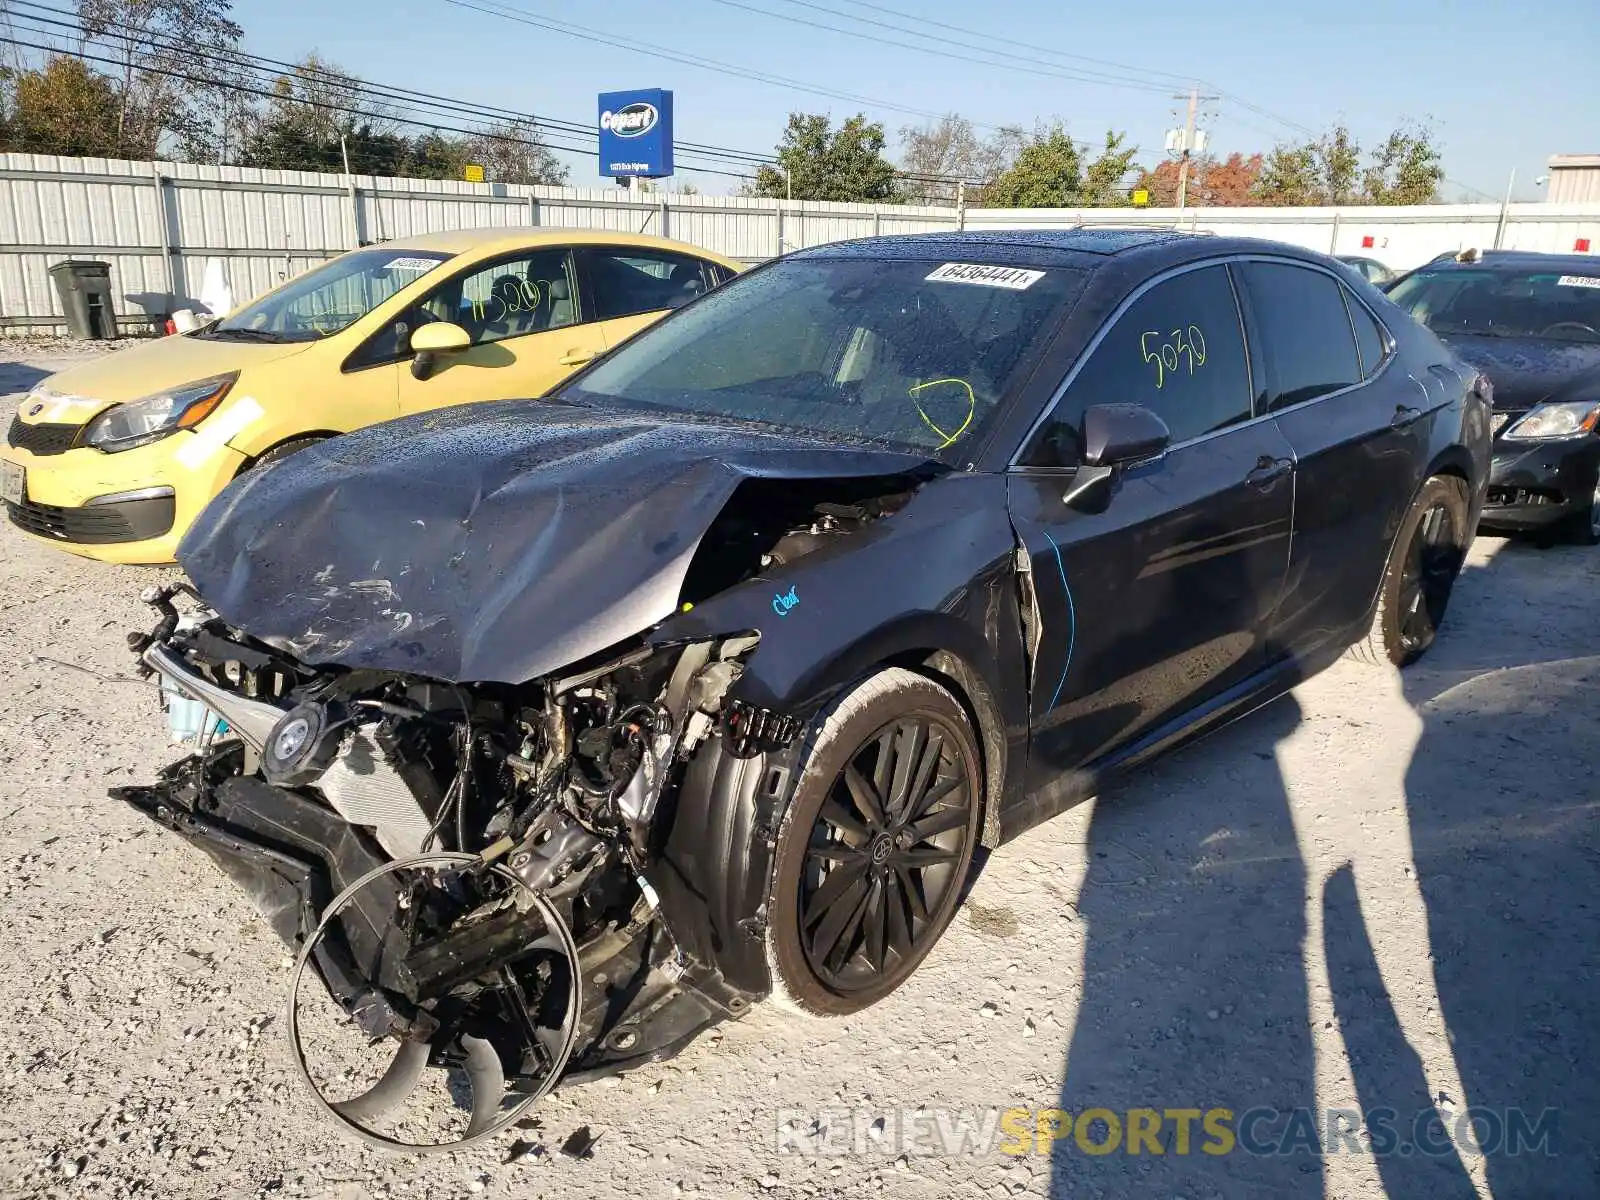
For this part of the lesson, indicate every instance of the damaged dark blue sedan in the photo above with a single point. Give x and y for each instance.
(557, 731)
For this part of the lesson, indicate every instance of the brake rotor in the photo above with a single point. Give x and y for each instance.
(393, 1104)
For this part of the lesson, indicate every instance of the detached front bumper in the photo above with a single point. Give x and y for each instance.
(131, 507)
(1534, 485)
(288, 854)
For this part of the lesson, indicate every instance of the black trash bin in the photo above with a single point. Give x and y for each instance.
(85, 290)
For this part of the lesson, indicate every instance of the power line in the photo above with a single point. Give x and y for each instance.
(399, 119)
(415, 99)
(973, 33)
(1042, 68)
(1062, 54)
(408, 98)
(508, 13)
(381, 91)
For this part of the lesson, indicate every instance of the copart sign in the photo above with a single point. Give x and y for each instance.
(636, 133)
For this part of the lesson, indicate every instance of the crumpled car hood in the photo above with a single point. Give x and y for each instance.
(484, 543)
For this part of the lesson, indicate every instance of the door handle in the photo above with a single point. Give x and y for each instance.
(576, 358)
(1404, 416)
(1268, 471)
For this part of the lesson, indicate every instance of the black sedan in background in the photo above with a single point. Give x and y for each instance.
(1369, 269)
(1531, 322)
(730, 651)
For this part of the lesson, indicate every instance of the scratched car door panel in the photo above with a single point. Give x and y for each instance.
(1358, 435)
(1161, 600)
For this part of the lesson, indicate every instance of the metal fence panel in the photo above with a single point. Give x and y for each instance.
(158, 225)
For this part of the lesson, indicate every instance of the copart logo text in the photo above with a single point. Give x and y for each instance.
(634, 120)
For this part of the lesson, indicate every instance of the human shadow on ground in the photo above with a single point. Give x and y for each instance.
(1194, 986)
(1504, 814)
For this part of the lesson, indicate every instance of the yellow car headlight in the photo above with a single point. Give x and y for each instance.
(139, 422)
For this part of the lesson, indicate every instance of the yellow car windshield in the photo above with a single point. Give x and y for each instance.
(330, 298)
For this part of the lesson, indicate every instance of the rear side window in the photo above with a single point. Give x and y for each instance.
(624, 281)
(1305, 334)
(1371, 340)
(1178, 350)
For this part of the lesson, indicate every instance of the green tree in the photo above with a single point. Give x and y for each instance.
(818, 162)
(1338, 157)
(1103, 178)
(1047, 173)
(312, 107)
(1405, 169)
(1289, 176)
(177, 80)
(64, 107)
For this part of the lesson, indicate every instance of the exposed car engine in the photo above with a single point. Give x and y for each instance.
(468, 868)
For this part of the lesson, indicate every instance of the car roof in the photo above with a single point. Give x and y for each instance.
(500, 238)
(1520, 260)
(1088, 248)
(1045, 247)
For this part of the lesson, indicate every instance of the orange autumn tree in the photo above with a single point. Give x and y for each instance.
(1227, 184)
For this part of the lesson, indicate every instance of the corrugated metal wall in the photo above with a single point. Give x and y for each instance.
(1401, 236)
(158, 224)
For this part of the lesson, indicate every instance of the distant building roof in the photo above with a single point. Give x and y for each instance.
(1574, 179)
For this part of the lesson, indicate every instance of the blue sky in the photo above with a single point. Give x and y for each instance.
(1506, 85)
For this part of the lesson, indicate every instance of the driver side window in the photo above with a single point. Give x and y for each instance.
(1179, 351)
(530, 292)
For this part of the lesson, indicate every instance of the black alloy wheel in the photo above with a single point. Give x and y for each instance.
(1427, 555)
(1433, 560)
(874, 852)
(884, 853)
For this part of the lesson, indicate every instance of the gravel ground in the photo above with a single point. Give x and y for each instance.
(1378, 892)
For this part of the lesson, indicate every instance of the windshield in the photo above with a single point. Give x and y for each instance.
(913, 355)
(330, 298)
(1500, 303)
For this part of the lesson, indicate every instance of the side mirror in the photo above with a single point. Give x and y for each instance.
(433, 339)
(1117, 434)
(1114, 436)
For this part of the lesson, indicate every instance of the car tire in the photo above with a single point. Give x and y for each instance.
(1585, 528)
(873, 851)
(284, 449)
(1420, 575)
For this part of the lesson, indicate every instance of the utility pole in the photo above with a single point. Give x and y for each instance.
(1505, 211)
(350, 185)
(1187, 143)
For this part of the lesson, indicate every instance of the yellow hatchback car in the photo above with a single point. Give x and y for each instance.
(114, 459)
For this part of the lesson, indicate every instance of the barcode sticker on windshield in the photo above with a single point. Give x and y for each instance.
(1014, 278)
(1579, 281)
(411, 264)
